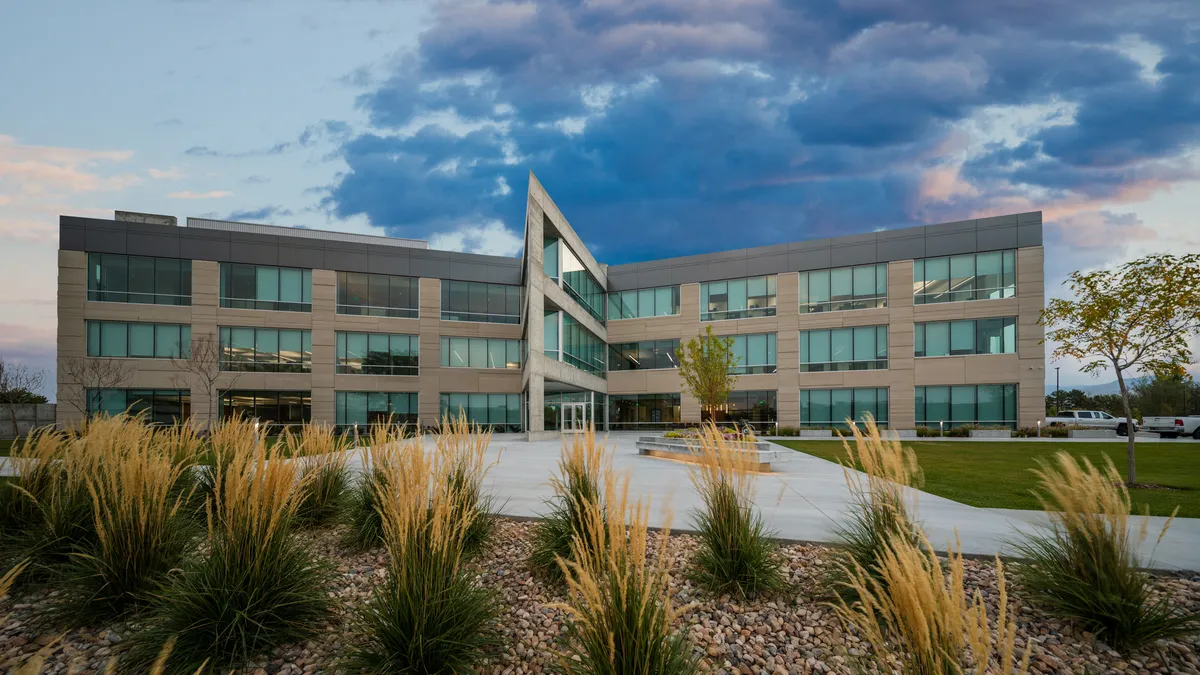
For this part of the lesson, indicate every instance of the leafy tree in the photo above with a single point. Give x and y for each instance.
(1137, 317)
(1173, 395)
(706, 365)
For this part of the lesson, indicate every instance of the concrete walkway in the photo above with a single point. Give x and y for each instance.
(802, 500)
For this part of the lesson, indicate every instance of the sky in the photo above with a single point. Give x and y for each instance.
(660, 127)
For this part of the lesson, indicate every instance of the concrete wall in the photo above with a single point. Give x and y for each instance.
(28, 416)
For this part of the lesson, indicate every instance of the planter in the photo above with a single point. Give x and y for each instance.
(901, 433)
(991, 433)
(684, 449)
(1091, 433)
(816, 433)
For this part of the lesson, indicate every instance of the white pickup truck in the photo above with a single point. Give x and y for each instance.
(1097, 419)
(1173, 426)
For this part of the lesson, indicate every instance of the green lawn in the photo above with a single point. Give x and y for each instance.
(997, 474)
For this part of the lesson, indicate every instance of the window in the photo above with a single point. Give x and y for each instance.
(844, 288)
(275, 408)
(859, 348)
(136, 279)
(974, 276)
(831, 407)
(552, 346)
(643, 303)
(138, 340)
(475, 301)
(737, 298)
(754, 354)
(159, 406)
(974, 336)
(753, 408)
(377, 354)
(639, 412)
(580, 348)
(580, 284)
(550, 263)
(985, 404)
(646, 355)
(377, 295)
(461, 352)
(282, 289)
(500, 412)
(374, 407)
(268, 350)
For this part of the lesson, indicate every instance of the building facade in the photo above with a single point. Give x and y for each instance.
(933, 325)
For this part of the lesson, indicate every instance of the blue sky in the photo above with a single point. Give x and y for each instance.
(661, 127)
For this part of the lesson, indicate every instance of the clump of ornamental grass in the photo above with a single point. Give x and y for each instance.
(881, 476)
(324, 470)
(1084, 567)
(380, 457)
(142, 528)
(619, 604)
(465, 444)
(919, 619)
(48, 510)
(736, 552)
(583, 463)
(258, 586)
(431, 615)
(226, 438)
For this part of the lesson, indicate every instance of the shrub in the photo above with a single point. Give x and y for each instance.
(142, 528)
(580, 470)
(364, 525)
(881, 499)
(431, 615)
(324, 471)
(258, 586)
(1084, 567)
(736, 553)
(928, 432)
(914, 610)
(620, 605)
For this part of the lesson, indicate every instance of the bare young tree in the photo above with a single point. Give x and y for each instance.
(203, 363)
(18, 382)
(91, 375)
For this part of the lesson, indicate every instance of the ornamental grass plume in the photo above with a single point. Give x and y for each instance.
(736, 551)
(385, 444)
(464, 444)
(432, 615)
(1084, 566)
(581, 468)
(619, 604)
(324, 461)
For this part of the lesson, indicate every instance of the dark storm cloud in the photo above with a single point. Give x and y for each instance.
(675, 126)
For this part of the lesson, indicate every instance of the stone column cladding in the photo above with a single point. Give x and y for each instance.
(72, 340)
(1031, 352)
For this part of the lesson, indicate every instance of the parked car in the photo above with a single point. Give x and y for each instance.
(1097, 419)
(1173, 426)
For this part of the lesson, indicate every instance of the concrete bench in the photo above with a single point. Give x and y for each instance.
(686, 449)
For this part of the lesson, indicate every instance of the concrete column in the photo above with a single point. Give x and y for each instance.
(72, 338)
(537, 403)
(901, 364)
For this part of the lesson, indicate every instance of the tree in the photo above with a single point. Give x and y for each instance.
(17, 383)
(1138, 317)
(1172, 395)
(203, 362)
(91, 376)
(706, 365)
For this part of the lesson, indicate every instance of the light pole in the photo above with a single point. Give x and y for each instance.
(1057, 393)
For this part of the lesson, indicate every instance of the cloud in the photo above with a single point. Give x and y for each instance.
(325, 131)
(268, 213)
(492, 238)
(29, 231)
(257, 179)
(171, 122)
(670, 127)
(188, 194)
(39, 170)
(166, 174)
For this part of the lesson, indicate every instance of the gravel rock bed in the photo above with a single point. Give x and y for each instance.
(791, 633)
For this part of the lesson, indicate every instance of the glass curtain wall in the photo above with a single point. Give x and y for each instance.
(276, 408)
(500, 412)
(268, 350)
(375, 407)
(974, 276)
(960, 338)
(643, 412)
(755, 354)
(377, 354)
(378, 295)
(582, 349)
(843, 288)
(647, 355)
(281, 289)
(481, 302)
(952, 406)
(757, 409)
(831, 407)
(643, 303)
(552, 346)
(116, 339)
(139, 279)
(580, 284)
(859, 348)
(461, 352)
(737, 298)
(159, 406)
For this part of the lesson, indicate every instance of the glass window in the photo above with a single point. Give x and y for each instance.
(480, 302)
(737, 298)
(832, 407)
(977, 276)
(267, 350)
(550, 258)
(138, 279)
(377, 295)
(666, 301)
(114, 339)
(167, 341)
(262, 287)
(643, 303)
(950, 406)
(858, 348)
(477, 353)
(973, 336)
(550, 335)
(158, 406)
(499, 412)
(937, 339)
(460, 352)
(277, 408)
(962, 337)
(142, 343)
(643, 412)
(373, 353)
(754, 354)
(843, 288)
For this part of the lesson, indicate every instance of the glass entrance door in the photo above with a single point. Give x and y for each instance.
(574, 417)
